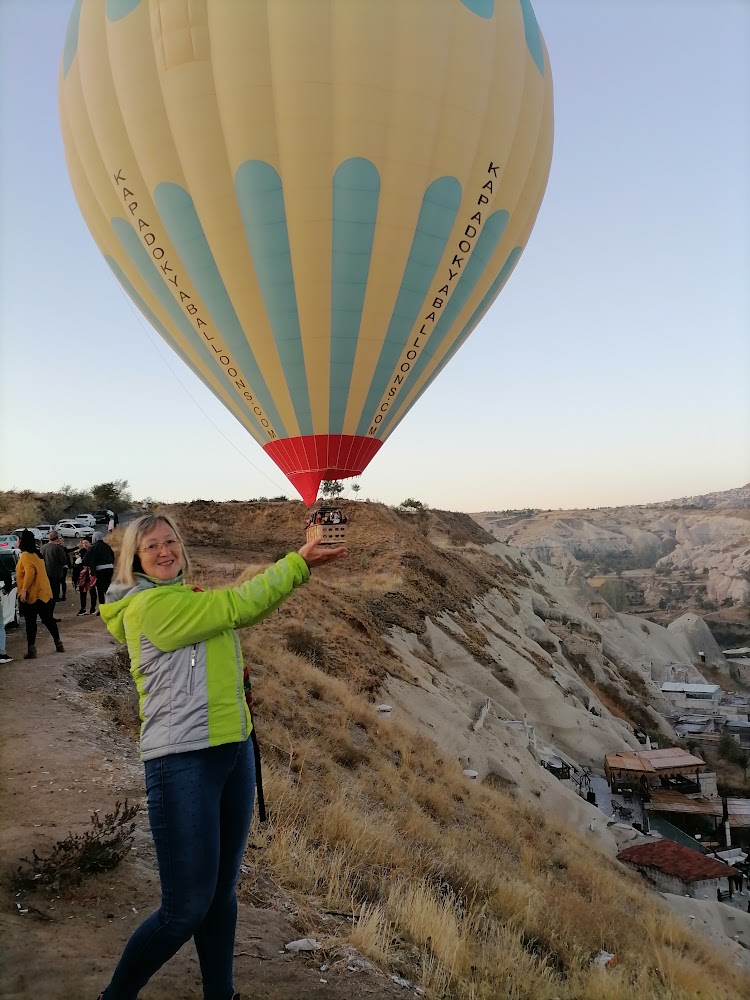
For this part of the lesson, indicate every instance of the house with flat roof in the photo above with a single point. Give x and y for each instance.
(714, 821)
(703, 699)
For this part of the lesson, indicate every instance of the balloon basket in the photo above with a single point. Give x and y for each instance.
(326, 525)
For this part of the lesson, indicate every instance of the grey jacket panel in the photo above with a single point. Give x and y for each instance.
(175, 703)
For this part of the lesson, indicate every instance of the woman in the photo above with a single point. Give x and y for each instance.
(35, 594)
(200, 775)
(84, 578)
(100, 559)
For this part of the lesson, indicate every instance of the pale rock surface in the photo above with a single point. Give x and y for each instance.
(724, 926)
(714, 537)
(698, 639)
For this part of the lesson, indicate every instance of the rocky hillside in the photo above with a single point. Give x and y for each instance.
(725, 499)
(407, 700)
(472, 619)
(689, 555)
(498, 660)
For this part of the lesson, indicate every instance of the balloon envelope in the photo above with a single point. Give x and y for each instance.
(314, 202)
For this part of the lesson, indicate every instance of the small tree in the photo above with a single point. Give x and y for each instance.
(112, 496)
(332, 488)
(414, 504)
(728, 748)
(67, 502)
(356, 487)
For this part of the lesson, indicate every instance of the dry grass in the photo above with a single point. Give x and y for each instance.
(381, 583)
(18, 510)
(466, 889)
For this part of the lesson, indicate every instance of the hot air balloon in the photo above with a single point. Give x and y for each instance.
(314, 202)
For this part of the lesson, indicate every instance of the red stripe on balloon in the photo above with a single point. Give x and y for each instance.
(306, 461)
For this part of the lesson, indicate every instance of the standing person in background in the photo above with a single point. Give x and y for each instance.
(100, 559)
(195, 741)
(111, 522)
(56, 563)
(6, 582)
(78, 555)
(35, 594)
(64, 580)
(84, 578)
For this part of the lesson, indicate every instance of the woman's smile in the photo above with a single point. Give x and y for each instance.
(161, 553)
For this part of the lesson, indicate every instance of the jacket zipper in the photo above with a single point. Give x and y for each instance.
(240, 689)
(191, 674)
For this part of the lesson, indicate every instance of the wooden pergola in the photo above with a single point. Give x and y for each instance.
(639, 769)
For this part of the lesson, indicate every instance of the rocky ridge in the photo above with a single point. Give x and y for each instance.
(705, 540)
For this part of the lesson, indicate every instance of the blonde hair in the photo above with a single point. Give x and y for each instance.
(129, 562)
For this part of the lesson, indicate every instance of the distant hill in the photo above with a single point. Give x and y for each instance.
(691, 554)
(732, 499)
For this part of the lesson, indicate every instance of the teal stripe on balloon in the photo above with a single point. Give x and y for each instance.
(154, 321)
(151, 274)
(484, 8)
(177, 212)
(533, 34)
(494, 290)
(475, 269)
(261, 200)
(117, 9)
(71, 37)
(436, 219)
(356, 192)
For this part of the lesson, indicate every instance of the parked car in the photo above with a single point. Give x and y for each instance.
(34, 531)
(72, 529)
(86, 519)
(9, 601)
(45, 529)
(103, 516)
(8, 542)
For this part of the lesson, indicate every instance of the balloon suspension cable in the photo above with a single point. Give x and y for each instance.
(189, 394)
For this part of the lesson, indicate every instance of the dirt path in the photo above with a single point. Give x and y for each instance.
(62, 758)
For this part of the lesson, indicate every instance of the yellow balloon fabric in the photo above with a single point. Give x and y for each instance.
(314, 202)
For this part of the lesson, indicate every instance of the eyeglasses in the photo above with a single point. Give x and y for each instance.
(171, 543)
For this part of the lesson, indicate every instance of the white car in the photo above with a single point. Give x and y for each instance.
(34, 531)
(9, 601)
(87, 520)
(72, 529)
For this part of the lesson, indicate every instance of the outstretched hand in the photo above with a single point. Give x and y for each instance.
(314, 553)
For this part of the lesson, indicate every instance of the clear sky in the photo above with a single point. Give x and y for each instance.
(613, 369)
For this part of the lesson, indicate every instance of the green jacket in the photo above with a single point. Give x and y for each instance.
(185, 657)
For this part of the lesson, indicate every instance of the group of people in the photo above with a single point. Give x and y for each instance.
(41, 580)
(332, 516)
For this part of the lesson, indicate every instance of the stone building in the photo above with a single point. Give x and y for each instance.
(671, 867)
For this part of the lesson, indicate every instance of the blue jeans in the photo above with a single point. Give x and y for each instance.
(199, 807)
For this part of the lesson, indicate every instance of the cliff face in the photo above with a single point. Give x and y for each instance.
(718, 546)
(686, 555)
